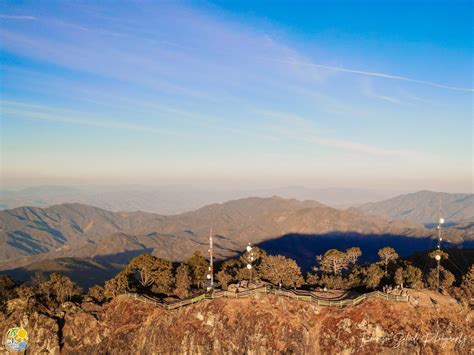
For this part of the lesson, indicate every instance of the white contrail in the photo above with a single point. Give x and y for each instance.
(380, 75)
(17, 17)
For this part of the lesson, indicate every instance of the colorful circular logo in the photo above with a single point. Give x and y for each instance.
(16, 339)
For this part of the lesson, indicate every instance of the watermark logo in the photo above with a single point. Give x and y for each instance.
(16, 339)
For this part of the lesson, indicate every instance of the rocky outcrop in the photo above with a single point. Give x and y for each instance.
(259, 325)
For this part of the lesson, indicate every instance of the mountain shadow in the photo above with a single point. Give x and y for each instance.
(305, 247)
(86, 272)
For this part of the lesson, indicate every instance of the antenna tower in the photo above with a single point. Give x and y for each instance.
(438, 254)
(211, 260)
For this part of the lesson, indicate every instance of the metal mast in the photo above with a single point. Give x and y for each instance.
(211, 263)
(250, 259)
(438, 254)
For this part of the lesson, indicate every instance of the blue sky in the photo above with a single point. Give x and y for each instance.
(241, 93)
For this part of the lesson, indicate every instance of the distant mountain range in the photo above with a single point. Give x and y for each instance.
(176, 199)
(424, 207)
(30, 236)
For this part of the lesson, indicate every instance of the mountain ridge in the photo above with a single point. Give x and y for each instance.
(424, 207)
(30, 234)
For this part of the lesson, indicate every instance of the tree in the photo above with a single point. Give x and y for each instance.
(373, 276)
(25, 292)
(244, 274)
(143, 265)
(332, 281)
(313, 278)
(96, 293)
(355, 278)
(353, 254)
(387, 255)
(41, 289)
(468, 280)
(199, 268)
(399, 277)
(183, 281)
(280, 270)
(54, 290)
(152, 272)
(118, 285)
(162, 276)
(333, 261)
(62, 288)
(413, 277)
(446, 278)
(229, 272)
(7, 288)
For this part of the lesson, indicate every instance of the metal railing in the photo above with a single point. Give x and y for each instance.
(298, 295)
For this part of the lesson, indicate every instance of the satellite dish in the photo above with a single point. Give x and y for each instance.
(438, 257)
(249, 266)
(441, 220)
(208, 276)
(249, 248)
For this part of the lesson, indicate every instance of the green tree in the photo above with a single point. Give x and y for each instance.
(119, 284)
(199, 268)
(152, 272)
(163, 277)
(331, 281)
(41, 289)
(413, 277)
(7, 289)
(333, 261)
(280, 270)
(62, 288)
(399, 277)
(55, 290)
(373, 276)
(468, 280)
(355, 278)
(446, 278)
(25, 292)
(313, 278)
(353, 254)
(96, 293)
(229, 272)
(144, 266)
(387, 255)
(183, 281)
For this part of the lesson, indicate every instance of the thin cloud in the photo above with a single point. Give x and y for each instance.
(375, 74)
(307, 132)
(17, 17)
(87, 122)
(43, 113)
(368, 90)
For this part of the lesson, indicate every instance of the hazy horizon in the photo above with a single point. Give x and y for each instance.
(237, 94)
(206, 186)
